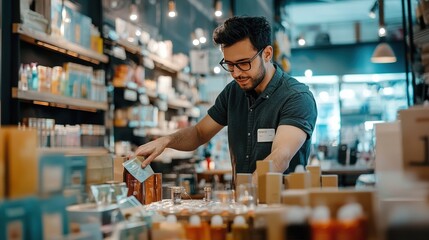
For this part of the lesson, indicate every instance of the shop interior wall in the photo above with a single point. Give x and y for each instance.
(345, 59)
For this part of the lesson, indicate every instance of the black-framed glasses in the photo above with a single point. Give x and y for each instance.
(242, 65)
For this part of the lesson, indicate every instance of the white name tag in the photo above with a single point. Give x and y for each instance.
(266, 134)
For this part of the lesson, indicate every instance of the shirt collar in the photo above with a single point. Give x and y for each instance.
(273, 84)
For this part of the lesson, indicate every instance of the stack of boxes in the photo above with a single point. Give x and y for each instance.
(33, 187)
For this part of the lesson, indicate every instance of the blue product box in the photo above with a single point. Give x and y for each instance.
(52, 169)
(69, 24)
(76, 171)
(20, 219)
(54, 217)
(85, 31)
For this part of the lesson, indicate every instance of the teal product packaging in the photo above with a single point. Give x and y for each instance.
(75, 175)
(20, 219)
(52, 168)
(54, 217)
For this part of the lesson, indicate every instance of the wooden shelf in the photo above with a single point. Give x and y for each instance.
(58, 44)
(74, 151)
(179, 103)
(163, 63)
(54, 100)
(172, 103)
(129, 47)
(159, 61)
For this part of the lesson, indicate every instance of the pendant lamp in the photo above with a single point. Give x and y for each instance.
(383, 53)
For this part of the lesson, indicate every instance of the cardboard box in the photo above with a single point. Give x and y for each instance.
(273, 187)
(315, 173)
(298, 180)
(22, 162)
(2, 165)
(243, 178)
(297, 197)
(415, 140)
(263, 167)
(330, 181)
(335, 198)
(118, 169)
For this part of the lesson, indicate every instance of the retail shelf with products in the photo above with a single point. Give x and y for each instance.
(58, 44)
(74, 151)
(172, 103)
(159, 61)
(55, 100)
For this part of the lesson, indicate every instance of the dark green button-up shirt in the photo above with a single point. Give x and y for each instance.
(285, 101)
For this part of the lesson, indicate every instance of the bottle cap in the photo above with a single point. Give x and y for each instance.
(195, 220)
(216, 220)
(239, 220)
(296, 215)
(320, 213)
(171, 219)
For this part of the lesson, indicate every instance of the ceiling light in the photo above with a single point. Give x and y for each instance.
(216, 70)
(373, 9)
(218, 8)
(382, 31)
(195, 40)
(133, 12)
(308, 73)
(171, 8)
(301, 41)
(383, 53)
(203, 39)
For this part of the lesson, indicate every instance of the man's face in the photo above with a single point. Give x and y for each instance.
(243, 51)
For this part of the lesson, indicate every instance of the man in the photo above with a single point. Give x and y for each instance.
(270, 116)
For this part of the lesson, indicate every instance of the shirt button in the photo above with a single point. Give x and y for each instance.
(251, 109)
(247, 156)
(248, 134)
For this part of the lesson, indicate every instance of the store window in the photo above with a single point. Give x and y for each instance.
(350, 105)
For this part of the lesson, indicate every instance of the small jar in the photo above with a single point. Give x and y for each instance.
(207, 194)
(176, 195)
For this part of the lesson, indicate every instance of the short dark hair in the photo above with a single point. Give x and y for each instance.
(238, 28)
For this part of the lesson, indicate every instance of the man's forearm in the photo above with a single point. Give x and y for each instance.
(186, 139)
(280, 160)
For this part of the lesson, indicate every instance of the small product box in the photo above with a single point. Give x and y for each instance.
(20, 219)
(52, 169)
(22, 162)
(54, 217)
(2, 165)
(75, 171)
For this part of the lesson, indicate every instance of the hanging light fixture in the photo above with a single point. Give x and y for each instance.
(373, 9)
(172, 8)
(134, 14)
(218, 8)
(383, 53)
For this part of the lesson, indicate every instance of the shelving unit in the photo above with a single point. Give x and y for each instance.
(58, 44)
(421, 45)
(44, 98)
(127, 97)
(75, 151)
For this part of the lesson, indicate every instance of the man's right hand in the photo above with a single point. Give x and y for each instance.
(151, 150)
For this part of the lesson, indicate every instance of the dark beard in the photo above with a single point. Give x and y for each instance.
(258, 79)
